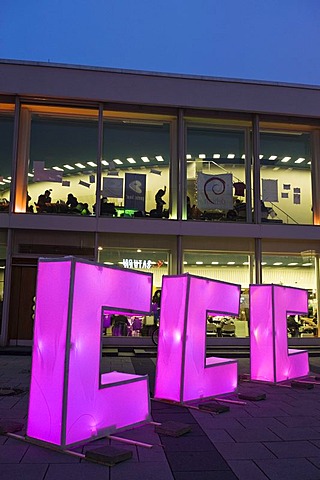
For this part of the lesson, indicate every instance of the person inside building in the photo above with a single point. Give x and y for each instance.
(43, 201)
(72, 201)
(159, 201)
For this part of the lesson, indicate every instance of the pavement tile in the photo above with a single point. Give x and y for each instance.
(196, 461)
(300, 421)
(145, 471)
(183, 417)
(79, 471)
(11, 471)
(246, 470)
(243, 451)
(219, 435)
(253, 435)
(263, 422)
(36, 454)
(186, 444)
(12, 453)
(295, 433)
(206, 475)
(154, 454)
(294, 449)
(283, 469)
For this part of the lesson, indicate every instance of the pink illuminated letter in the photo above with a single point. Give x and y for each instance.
(183, 372)
(70, 401)
(270, 358)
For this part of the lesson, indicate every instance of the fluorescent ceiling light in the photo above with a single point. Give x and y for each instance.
(216, 155)
(214, 263)
(30, 175)
(286, 159)
(58, 169)
(1, 183)
(202, 155)
(159, 158)
(307, 264)
(309, 163)
(104, 162)
(199, 263)
(100, 248)
(117, 161)
(292, 264)
(131, 160)
(263, 263)
(185, 263)
(9, 178)
(68, 167)
(277, 263)
(231, 155)
(108, 263)
(188, 156)
(273, 157)
(92, 164)
(231, 263)
(6, 181)
(166, 263)
(300, 160)
(80, 165)
(139, 250)
(261, 157)
(145, 159)
(245, 263)
(243, 157)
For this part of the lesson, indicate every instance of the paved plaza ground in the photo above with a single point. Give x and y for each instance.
(276, 439)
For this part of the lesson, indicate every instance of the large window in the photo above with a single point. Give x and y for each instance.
(61, 158)
(135, 168)
(218, 183)
(232, 267)
(6, 146)
(286, 190)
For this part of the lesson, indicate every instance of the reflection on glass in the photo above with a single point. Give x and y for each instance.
(135, 169)
(216, 183)
(286, 190)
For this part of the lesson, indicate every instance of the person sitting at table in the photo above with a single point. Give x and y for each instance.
(72, 201)
(43, 200)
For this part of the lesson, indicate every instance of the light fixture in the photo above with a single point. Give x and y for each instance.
(309, 163)
(277, 263)
(292, 264)
(58, 169)
(104, 162)
(245, 263)
(214, 263)
(286, 159)
(307, 264)
(231, 263)
(300, 160)
(30, 175)
(68, 167)
(145, 159)
(139, 250)
(261, 157)
(243, 157)
(263, 263)
(80, 165)
(117, 161)
(188, 156)
(185, 263)
(100, 248)
(131, 160)
(273, 157)
(231, 155)
(159, 158)
(108, 263)
(92, 164)
(199, 263)
(6, 181)
(202, 155)
(216, 155)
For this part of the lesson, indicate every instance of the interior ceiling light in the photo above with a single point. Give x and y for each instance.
(307, 264)
(261, 157)
(108, 263)
(68, 167)
(2, 183)
(273, 157)
(117, 161)
(139, 250)
(292, 264)
(188, 156)
(231, 263)
(30, 175)
(245, 263)
(199, 263)
(243, 157)
(309, 163)
(277, 263)
(214, 263)
(202, 155)
(92, 164)
(6, 181)
(263, 263)
(145, 159)
(286, 159)
(80, 165)
(185, 263)
(159, 158)
(216, 155)
(131, 160)
(58, 169)
(9, 178)
(231, 155)
(300, 160)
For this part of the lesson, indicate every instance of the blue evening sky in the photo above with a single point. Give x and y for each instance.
(276, 40)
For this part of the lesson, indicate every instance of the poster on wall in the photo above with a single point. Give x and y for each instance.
(135, 191)
(215, 191)
(112, 187)
(42, 174)
(269, 190)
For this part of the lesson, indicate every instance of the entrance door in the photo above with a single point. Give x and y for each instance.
(23, 288)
